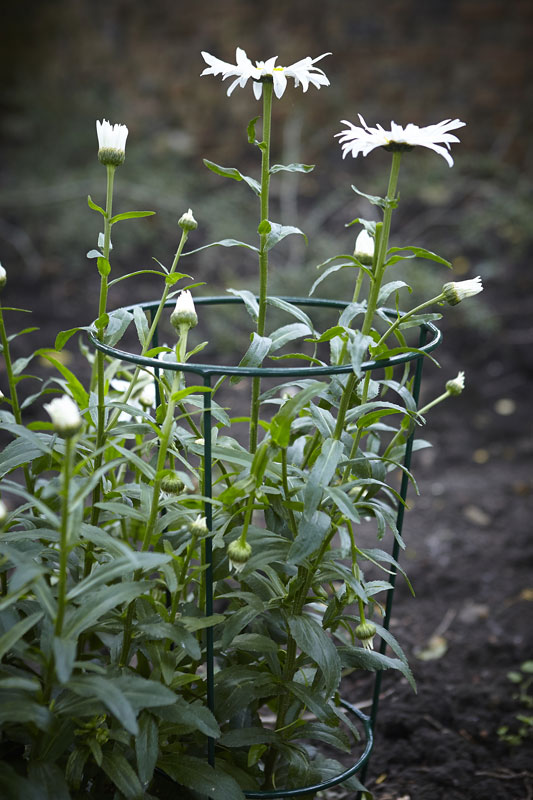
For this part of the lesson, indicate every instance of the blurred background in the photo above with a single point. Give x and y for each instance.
(66, 63)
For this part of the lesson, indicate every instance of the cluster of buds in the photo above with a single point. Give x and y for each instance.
(65, 416)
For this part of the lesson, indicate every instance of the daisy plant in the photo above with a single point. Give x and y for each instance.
(176, 603)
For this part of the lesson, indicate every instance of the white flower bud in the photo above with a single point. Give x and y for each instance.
(366, 631)
(147, 396)
(3, 277)
(3, 512)
(187, 221)
(364, 248)
(184, 313)
(238, 555)
(454, 292)
(65, 416)
(111, 143)
(199, 526)
(456, 386)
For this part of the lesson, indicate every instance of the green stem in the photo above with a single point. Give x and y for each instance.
(155, 322)
(100, 361)
(64, 540)
(150, 525)
(263, 251)
(400, 320)
(375, 286)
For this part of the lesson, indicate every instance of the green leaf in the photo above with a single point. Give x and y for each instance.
(292, 309)
(119, 321)
(321, 474)
(264, 227)
(249, 300)
(254, 642)
(417, 252)
(372, 198)
(17, 631)
(250, 130)
(343, 502)
(313, 700)
(100, 602)
(106, 690)
(119, 770)
(196, 774)
(280, 427)
(146, 747)
(222, 243)
(64, 657)
(254, 356)
(389, 288)
(286, 334)
(104, 267)
(311, 533)
(372, 661)
(245, 737)
(419, 319)
(130, 215)
(95, 207)
(279, 232)
(194, 716)
(78, 392)
(358, 345)
(291, 168)
(50, 780)
(232, 172)
(315, 643)
(18, 707)
(63, 336)
(336, 268)
(94, 254)
(141, 324)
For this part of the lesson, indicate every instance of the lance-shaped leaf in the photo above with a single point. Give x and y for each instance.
(280, 427)
(279, 232)
(222, 243)
(287, 333)
(358, 345)
(372, 198)
(311, 533)
(386, 290)
(414, 252)
(254, 356)
(232, 172)
(321, 474)
(249, 300)
(316, 644)
(130, 215)
(196, 774)
(291, 168)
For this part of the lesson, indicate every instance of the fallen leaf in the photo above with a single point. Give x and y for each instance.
(435, 648)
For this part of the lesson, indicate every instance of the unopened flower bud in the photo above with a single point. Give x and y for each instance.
(454, 291)
(364, 248)
(366, 631)
(456, 385)
(199, 526)
(147, 396)
(187, 221)
(111, 143)
(238, 554)
(3, 512)
(172, 484)
(184, 313)
(65, 416)
(3, 277)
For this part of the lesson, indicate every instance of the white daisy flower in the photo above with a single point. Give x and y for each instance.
(455, 291)
(302, 72)
(111, 142)
(358, 140)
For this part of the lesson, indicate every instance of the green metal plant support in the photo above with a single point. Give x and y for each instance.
(430, 337)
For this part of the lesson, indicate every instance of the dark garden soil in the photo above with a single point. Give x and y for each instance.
(470, 557)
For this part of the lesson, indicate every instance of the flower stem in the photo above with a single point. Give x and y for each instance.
(64, 540)
(375, 286)
(263, 251)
